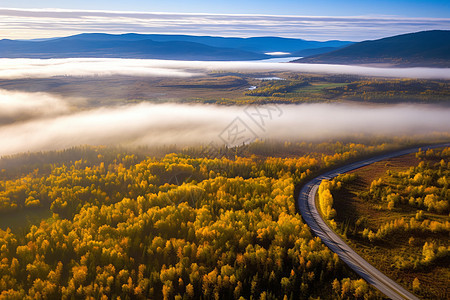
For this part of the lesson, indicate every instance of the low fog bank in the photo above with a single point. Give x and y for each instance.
(17, 68)
(55, 127)
(44, 68)
(19, 106)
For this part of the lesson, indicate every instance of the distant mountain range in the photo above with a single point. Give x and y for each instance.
(158, 46)
(425, 48)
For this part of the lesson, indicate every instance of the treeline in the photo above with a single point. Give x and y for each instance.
(414, 225)
(325, 196)
(424, 186)
(432, 251)
(176, 227)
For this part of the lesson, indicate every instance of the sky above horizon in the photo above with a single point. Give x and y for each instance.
(314, 20)
(405, 8)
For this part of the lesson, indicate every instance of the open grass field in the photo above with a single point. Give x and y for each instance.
(388, 253)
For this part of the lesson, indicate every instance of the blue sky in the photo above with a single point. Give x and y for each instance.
(406, 8)
(312, 20)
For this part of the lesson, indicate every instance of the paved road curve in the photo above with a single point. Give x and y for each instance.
(308, 210)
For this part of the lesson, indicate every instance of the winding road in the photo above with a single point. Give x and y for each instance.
(309, 212)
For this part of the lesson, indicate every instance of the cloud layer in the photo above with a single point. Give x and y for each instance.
(54, 127)
(29, 23)
(44, 68)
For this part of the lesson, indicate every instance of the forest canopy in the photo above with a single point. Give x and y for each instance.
(173, 227)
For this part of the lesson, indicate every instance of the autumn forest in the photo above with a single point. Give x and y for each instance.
(177, 226)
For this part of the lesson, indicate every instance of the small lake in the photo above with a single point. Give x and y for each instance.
(270, 78)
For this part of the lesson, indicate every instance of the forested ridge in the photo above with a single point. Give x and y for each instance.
(175, 227)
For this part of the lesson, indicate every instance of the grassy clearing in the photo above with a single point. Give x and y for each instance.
(386, 254)
(21, 221)
(319, 87)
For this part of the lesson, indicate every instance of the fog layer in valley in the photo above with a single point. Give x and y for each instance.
(18, 106)
(52, 125)
(44, 68)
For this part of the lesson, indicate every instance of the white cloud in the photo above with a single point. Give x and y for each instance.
(37, 23)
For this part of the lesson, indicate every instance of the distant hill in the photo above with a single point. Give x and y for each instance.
(65, 48)
(181, 47)
(253, 44)
(425, 48)
(314, 51)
